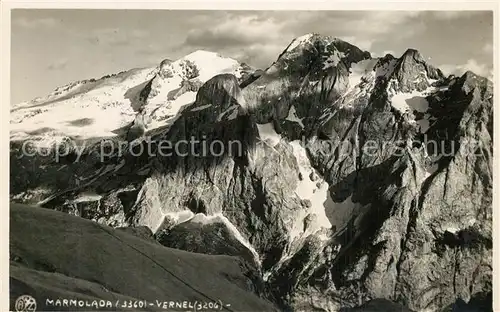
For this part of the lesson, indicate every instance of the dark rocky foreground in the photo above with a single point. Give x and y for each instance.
(409, 223)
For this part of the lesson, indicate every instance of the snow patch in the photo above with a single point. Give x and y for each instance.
(359, 70)
(232, 111)
(457, 227)
(314, 191)
(236, 233)
(98, 108)
(181, 217)
(292, 116)
(299, 40)
(452, 229)
(188, 215)
(233, 115)
(210, 64)
(86, 197)
(199, 108)
(333, 60)
(204, 219)
(431, 169)
(268, 134)
(409, 102)
(173, 108)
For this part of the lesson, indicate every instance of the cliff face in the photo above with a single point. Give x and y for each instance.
(340, 177)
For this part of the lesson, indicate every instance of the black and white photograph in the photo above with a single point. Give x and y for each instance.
(250, 160)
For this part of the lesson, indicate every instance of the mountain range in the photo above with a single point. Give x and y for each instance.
(360, 183)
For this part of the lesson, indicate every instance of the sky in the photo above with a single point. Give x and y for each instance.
(53, 47)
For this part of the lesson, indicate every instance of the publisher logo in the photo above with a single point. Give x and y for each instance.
(25, 303)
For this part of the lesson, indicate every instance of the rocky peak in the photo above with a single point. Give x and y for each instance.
(327, 49)
(299, 42)
(413, 73)
(320, 42)
(469, 80)
(222, 91)
(218, 113)
(165, 62)
(311, 48)
(165, 68)
(412, 56)
(199, 54)
(385, 65)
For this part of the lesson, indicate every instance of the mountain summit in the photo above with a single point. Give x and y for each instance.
(358, 181)
(112, 102)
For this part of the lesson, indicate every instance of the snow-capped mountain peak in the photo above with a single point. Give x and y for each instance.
(112, 102)
(298, 41)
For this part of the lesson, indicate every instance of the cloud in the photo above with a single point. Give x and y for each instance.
(115, 36)
(488, 48)
(149, 49)
(58, 65)
(253, 37)
(152, 54)
(259, 37)
(235, 31)
(451, 15)
(365, 29)
(260, 54)
(384, 53)
(35, 22)
(383, 22)
(111, 36)
(363, 44)
(367, 24)
(137, 33)
(472, 65)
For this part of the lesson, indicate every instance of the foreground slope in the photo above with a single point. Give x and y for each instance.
(55, 255)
